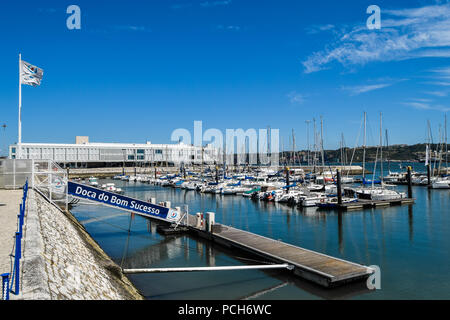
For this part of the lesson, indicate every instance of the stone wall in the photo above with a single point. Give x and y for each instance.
(61, 261)
(109, 172)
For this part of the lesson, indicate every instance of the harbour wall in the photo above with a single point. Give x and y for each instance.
(60, 260)
(109, 172)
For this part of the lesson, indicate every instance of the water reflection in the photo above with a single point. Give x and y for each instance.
(340, 233)
(163, 252)
(394, 238)
(411, 222)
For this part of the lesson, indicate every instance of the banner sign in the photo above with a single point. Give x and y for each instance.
(122, 202)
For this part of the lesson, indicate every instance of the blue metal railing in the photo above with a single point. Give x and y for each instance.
(8, 280)
(5, 286)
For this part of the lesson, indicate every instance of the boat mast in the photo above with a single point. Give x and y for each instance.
(224, 160)
(269, 145)
(293, 146)
(364, 148)
(315, 146)
(433, 168)
(446, 146)
(341, 146)
(376, 160)
(441, 148)
(387, 150)
(201, 167)
(428, 150)
(321, 144)
(307, 141)
(381, 148)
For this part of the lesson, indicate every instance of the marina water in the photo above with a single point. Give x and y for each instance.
(409, 243)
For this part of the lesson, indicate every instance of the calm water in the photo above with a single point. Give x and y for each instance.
(410, 244)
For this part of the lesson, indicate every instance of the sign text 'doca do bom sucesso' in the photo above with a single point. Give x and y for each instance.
(122, 202)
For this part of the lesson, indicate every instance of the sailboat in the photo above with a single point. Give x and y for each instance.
(344, 179)
(381, 192)
(442, 182)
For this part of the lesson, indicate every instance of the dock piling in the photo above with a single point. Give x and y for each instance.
(287, 179)
(210, 220)
(199, 220)
(339, 190)
(409, 183)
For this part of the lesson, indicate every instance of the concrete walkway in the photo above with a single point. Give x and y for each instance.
(9, 209)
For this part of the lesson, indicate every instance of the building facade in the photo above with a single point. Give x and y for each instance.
(86, 154)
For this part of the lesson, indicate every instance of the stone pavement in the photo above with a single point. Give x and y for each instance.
(8, 225)
(62, 262)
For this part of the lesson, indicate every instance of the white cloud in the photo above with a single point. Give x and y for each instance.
(229, 28)
(425, 104)
(204, 4)
(177, 6)
(355, 90)
(407, 34)
(319, 28)
(296, 98)
(133, 28)
(441, 73)
(382, 83)
(440, 83)
(215, 3)
(418, 105)
(444, 71)
(437, 93)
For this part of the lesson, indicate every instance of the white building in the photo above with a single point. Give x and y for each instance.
(86, 154)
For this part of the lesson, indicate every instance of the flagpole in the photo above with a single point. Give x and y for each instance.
(19, 142)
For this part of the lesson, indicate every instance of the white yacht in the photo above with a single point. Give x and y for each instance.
(315, 187)
(379, 194)
(441, 183)
(333, 202)
(290, 196)
(192, 185)
(93, 181)
(347, 180)
(311, 200)
(394, 176)
(229, 190)
(330, 189)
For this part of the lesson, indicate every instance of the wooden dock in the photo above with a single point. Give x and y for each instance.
(322, 269)
(365, 204)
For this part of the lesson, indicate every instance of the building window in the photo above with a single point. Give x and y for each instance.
(158, 151)
(13, 150)
(130, 157)
(140, 151)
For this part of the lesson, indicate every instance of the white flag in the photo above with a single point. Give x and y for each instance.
(30, 75)
(427, 156)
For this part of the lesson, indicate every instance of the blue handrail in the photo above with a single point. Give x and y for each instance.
(5, 286)
(8, 280)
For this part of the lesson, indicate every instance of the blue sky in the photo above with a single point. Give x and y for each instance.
(137, 70)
